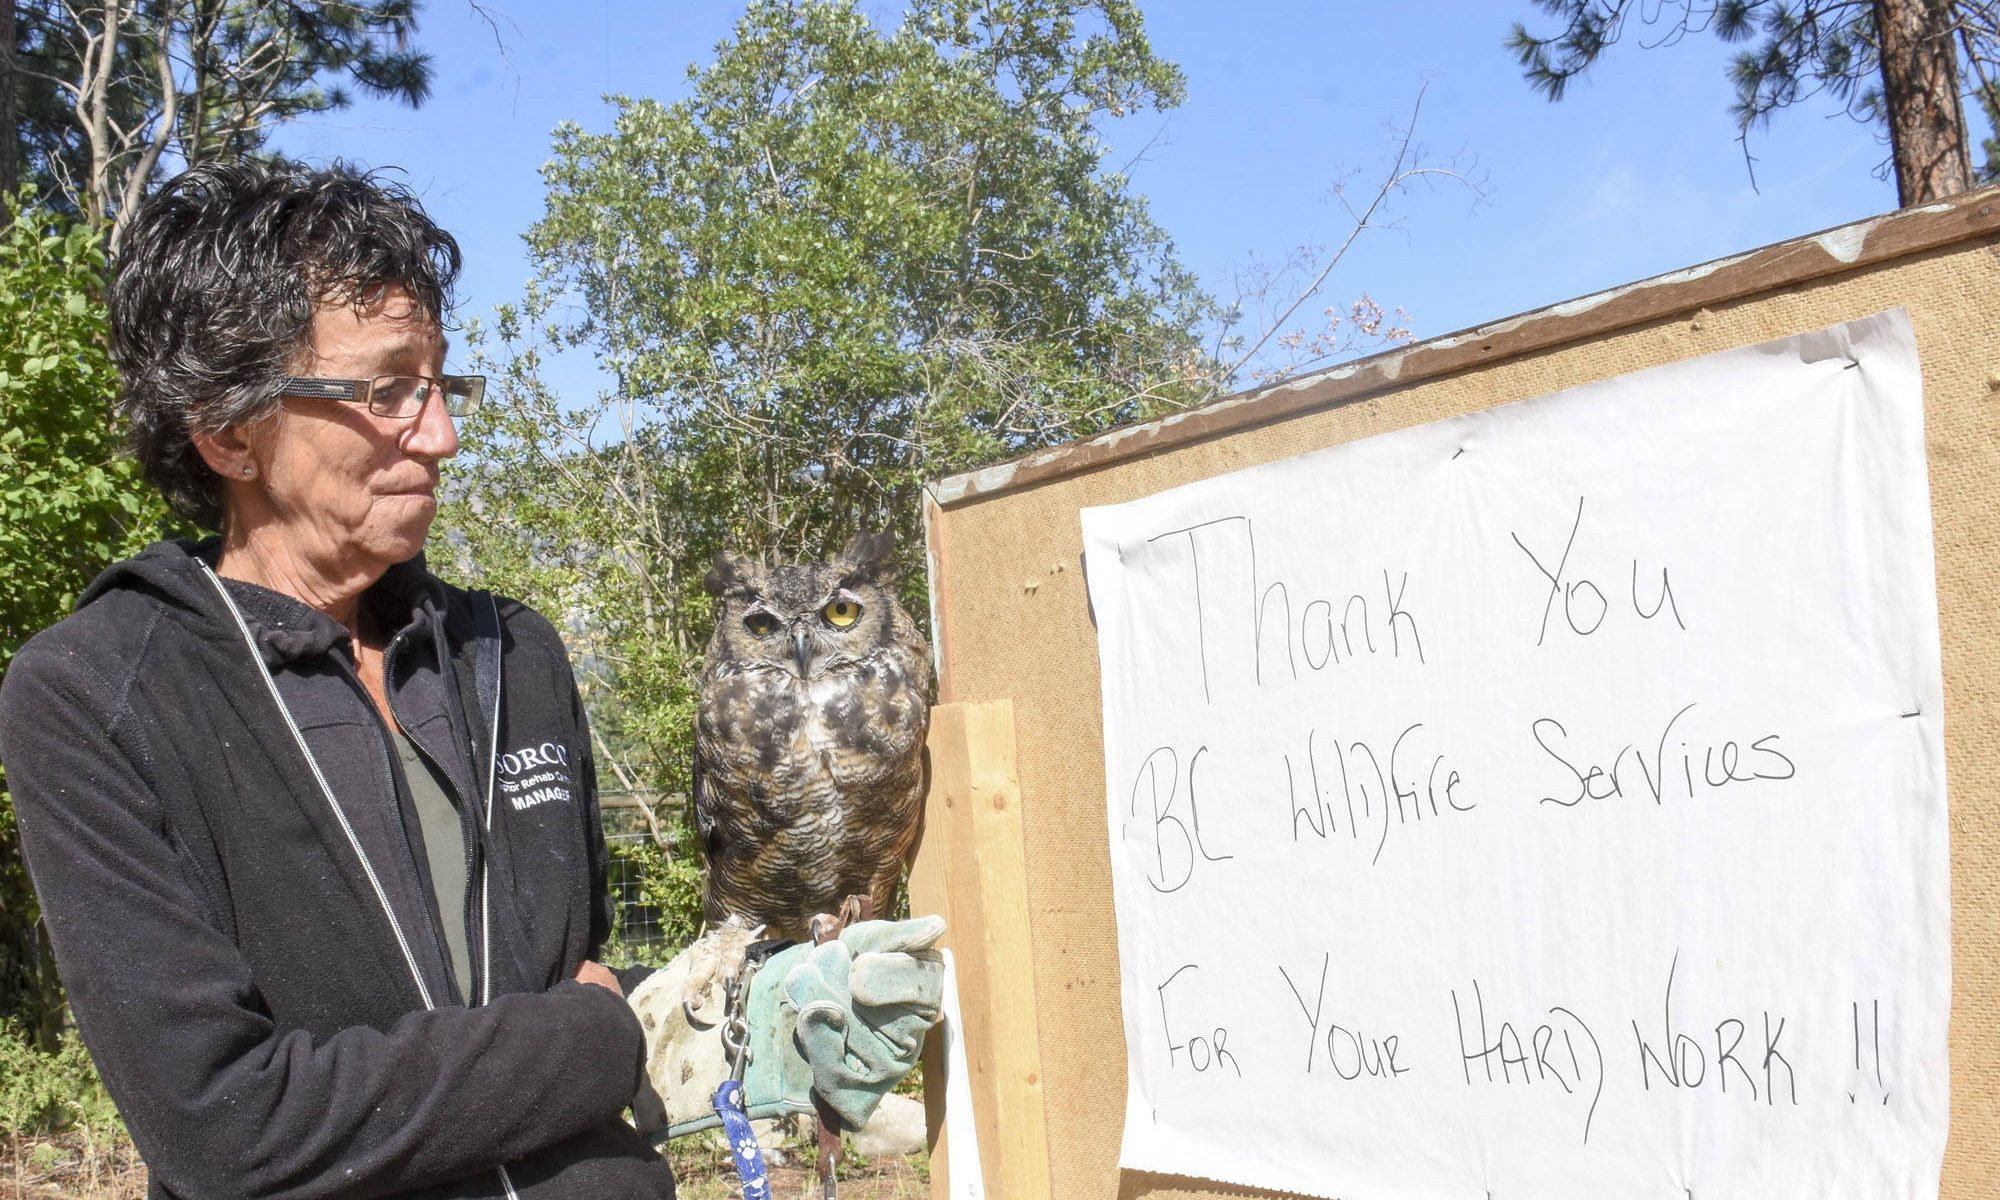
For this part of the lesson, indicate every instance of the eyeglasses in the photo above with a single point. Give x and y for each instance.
(397, 396)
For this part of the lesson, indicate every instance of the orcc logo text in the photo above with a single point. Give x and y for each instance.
(548, 754)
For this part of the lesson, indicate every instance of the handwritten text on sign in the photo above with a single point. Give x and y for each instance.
(1546, 802)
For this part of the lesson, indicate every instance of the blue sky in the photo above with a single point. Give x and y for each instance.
(1637, 172)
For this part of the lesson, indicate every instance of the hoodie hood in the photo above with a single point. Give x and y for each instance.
(284, 627)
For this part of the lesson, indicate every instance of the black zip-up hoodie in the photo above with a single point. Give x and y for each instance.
(231, 960)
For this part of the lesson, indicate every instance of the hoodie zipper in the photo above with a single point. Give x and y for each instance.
(492, 782)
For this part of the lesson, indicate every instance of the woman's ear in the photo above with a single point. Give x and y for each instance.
(228, 452)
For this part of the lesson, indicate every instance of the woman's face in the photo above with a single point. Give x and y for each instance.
(351, 492)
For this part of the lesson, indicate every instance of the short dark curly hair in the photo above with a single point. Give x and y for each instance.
(212, 297)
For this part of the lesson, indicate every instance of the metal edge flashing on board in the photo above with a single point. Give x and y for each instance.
(1862, 243)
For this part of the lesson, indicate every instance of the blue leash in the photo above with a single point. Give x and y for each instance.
(743, 1151)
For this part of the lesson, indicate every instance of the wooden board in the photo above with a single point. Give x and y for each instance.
(971, 868)
(1012, 619)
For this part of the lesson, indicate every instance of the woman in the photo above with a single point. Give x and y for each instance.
(315, 834)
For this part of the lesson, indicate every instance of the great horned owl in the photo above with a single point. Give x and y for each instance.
(809, 744)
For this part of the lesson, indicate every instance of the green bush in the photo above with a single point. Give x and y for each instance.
(45, 1093)
(70, 500)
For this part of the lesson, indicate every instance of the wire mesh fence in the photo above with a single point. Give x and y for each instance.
(653, 877)
(640, 925)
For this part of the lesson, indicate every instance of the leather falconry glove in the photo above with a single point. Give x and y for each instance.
(844, 1019)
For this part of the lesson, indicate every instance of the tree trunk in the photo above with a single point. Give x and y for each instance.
(1920, 89)
(10, 124)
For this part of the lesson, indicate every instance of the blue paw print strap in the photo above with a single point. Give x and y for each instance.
(743, 1149)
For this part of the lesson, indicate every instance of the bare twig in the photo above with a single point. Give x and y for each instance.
(1399, 174)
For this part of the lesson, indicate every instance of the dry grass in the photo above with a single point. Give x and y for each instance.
(71, 1164)
(703, 1172)
(898, 1180)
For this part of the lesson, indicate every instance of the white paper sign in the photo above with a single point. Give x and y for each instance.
(1547, 802)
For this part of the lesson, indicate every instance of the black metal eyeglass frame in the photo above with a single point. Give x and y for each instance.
(462, 393)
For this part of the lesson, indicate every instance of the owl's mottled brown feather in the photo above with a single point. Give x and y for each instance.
(809, 740)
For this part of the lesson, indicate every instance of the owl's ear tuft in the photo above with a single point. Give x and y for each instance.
(730, 576)
(868, 558)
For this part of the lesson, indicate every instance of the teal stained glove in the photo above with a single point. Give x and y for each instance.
(845, 1019)
(861, 1007)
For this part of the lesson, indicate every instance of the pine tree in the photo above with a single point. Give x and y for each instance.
(109, 93)
(1897, 64)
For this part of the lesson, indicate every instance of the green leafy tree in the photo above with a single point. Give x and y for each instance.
(1895, 64)
(107, 92)
(70, 502)
(852, 259)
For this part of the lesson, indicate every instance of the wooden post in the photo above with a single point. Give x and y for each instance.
(972, 869)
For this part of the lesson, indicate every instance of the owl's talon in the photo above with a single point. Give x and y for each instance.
(716, 958)
(693, 1016)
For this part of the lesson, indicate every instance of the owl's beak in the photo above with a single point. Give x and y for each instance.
(802, 649)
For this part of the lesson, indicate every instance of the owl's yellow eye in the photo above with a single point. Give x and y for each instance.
(761, 623)
(841, 613)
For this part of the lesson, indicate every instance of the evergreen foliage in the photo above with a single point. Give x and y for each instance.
(107, 91)
(1794, 50)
